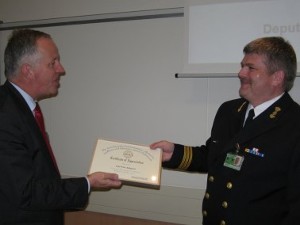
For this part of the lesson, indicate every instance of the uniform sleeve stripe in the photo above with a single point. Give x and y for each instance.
(187, 158)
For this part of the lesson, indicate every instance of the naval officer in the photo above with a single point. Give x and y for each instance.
(253, 167)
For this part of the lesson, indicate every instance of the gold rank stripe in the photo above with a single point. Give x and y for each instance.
(187, 158)
(241, 107)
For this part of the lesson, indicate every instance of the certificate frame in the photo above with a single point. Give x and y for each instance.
(136, 165)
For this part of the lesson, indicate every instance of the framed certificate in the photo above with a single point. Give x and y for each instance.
(135, 164)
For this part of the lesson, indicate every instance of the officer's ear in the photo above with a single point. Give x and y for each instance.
(278, 78)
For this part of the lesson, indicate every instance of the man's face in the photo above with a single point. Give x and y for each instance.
(257, 84)
(47, 70)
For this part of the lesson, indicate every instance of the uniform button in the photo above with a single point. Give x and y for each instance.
(229, 185)
(204, 213)
(222, 222)
(211, 178)
(207, 195)
(225, 204)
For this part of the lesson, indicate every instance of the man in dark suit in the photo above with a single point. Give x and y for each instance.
(31, 189)
(253, 169)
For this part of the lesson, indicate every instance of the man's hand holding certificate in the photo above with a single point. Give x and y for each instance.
(135, 164)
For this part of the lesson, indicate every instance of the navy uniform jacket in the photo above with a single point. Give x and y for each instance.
(31, 190)
(266, 190)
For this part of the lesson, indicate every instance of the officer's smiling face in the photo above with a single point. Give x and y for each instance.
(257, 84)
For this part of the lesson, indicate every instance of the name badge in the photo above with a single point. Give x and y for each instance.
(234, 161)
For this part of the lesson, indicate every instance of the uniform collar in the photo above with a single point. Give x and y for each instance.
(262, 107)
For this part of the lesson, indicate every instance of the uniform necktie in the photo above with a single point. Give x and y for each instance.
(40, 121)
(250, 117)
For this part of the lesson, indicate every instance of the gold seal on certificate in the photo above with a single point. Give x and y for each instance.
(135, 164)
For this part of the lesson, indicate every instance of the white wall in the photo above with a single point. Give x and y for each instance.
(120, 85)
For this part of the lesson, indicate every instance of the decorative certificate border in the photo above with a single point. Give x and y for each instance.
(135, 164)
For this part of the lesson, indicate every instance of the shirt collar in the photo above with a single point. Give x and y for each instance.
(29, 100)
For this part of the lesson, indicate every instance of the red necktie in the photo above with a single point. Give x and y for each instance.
(40, 121)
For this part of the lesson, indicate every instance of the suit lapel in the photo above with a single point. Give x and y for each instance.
(239, 115)
(20, 103)
(27, 116)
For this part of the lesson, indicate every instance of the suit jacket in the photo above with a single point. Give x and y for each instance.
(31, 190)
(266, 189)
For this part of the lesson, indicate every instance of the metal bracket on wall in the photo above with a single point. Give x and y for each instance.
(210, 75)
